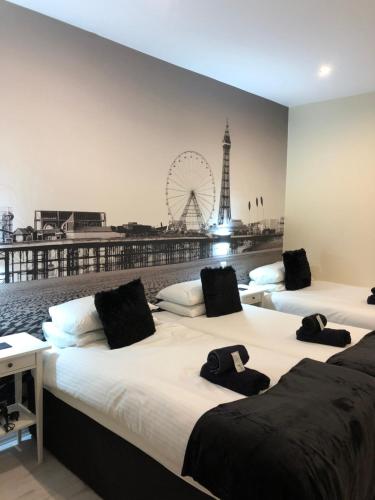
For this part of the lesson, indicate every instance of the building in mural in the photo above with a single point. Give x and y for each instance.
(55, 225)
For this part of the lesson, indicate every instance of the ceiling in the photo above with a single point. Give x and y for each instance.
(272, 48)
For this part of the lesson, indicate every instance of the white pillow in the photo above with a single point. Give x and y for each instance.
(76, 316)
(190, 311)
(271, 287)
(272, 273)
(62, 339)
(187, 293)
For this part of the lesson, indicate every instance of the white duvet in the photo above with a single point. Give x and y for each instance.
(151, 392)
(343, 304)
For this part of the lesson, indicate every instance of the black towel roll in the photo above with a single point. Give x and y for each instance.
(328, 336)
(248, 383)
(373, 290)
(221, 360)
(311, 323)
(371, 298)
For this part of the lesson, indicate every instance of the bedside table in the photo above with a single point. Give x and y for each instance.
(249, 297)
(24, 353)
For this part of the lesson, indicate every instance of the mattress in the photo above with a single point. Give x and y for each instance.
(342, 304)
(258, 327)
(150, 393)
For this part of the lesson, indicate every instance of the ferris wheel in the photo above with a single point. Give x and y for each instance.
(190, 192)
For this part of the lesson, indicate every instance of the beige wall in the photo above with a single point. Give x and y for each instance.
(330, 194)
(86, 124)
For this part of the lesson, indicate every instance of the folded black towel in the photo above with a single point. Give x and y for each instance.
(328, 336)
(221, 360)
(248, 382)
(311, 323)
(371, 299)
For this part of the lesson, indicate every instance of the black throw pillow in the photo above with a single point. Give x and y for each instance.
(220, 291)
(125, 314)
(297, 269)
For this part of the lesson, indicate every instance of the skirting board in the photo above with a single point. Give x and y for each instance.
(112, 467)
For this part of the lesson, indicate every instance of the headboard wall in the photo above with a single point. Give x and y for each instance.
(115, 164)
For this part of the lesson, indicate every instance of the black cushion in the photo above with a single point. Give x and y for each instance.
(297, 269)
(220, 291)
(125, 314)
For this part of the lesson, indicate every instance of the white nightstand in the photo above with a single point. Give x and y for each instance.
(24, 354)
(250, 297)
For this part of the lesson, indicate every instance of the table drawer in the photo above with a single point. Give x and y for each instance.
(16, 364)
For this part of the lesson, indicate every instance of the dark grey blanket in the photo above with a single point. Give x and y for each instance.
(310, 437)
(360, 357)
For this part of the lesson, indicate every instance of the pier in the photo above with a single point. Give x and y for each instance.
(59, 258)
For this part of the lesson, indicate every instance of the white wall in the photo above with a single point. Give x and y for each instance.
(330, 193)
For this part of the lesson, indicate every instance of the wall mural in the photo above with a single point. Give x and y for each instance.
(78, 244)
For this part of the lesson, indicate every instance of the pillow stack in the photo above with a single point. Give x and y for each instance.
(268, 278)
(124, 317)
(184, 299)
(74, 323)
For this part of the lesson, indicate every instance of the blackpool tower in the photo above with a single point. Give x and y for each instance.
(224, 206)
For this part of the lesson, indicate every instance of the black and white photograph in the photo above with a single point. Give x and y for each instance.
(187, 273)
(199, 229)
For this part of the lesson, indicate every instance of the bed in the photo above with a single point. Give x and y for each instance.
(110, 413)
(340, 303)
(150, 393)
(266, 329)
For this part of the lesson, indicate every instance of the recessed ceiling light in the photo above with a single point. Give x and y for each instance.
(324, 71)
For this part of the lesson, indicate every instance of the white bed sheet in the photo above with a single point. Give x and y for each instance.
(342, 304)
(259, 327)
(150, 393)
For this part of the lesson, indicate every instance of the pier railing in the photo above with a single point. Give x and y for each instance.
(57, 259)
(52, 259)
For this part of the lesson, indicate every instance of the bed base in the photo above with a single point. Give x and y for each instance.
(111, 466)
